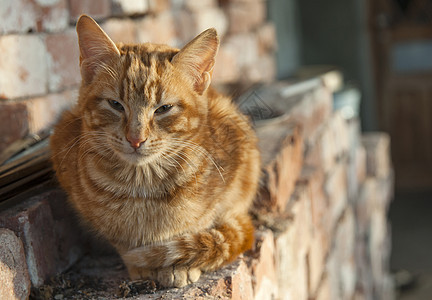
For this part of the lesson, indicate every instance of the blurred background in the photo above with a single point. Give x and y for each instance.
(384, 48)
(381, 48)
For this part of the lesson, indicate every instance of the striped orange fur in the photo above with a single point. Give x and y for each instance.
(154, 159)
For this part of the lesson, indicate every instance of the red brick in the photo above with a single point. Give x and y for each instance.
(18, 16)
(129, 7)
(263, 70)
(241, 1)
(191, 23)
(331, 143)
(63, 60)
(361, 164)
(32, 115)
(263, 267)
(245, 46)
(241, 283)
(245, 16)
(14, 277)
(356, 172)
(291, 266)
(377, 145)
(226, 69)
(267, 40)
(336, 191)
(44, 111)
(194, 5)
(53, 15)
(240, 53)
(158, 6)
(98, 9)
(281, 149)
(21, 16)
(379, 247)
(324, 291)
(373, 247)
(159, 29)
(292, 247)
(23, 70)
(51, 240)
(312, 179)
(121, 30)
(15, 115)
(341, 268)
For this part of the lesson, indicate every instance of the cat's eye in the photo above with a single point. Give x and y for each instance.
(116, 105)
(163, 109)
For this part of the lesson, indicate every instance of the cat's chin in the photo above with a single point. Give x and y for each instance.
(135, 158)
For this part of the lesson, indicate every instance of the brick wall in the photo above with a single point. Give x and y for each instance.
(322, 231)
(39, 73)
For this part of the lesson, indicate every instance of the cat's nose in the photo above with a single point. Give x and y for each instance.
(135, 142)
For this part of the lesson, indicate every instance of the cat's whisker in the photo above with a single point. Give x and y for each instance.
(78, 139)
(205, 153)
(171, 160)
(185, 159)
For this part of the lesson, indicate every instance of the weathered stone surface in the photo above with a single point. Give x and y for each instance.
(22, 16)
(191, 23)
(307, 103)
(98, 9)
(159, 29)
(336, 191)
(231, 282)
(341, 267)
(267, 40)
(377, 145)
(193, 5)
(53, 15)
(17, 16)
(158, 6)
(263, 70)
(62, 60)
(245, 46)
(330, 145)
(15, 114)
(43, 112)
(121, 30)
(245, 16)
(312, 179)
(23, 70)
(31, 116)
(227, 56)
(14, 277)
(51, 240)
(292, 248)
(129, 7)
(263, 267)
(281, 149)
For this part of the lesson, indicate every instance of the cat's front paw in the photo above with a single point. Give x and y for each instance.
(177, 276)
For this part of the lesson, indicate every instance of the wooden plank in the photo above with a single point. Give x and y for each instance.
(21, 145)
(25, 183)
(29, 166)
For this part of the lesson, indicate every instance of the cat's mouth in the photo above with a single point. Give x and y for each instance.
(136, 156)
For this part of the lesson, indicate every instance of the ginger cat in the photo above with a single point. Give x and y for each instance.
(155, 160)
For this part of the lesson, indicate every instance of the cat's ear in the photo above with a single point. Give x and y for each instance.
(96, 48)
(197, 59)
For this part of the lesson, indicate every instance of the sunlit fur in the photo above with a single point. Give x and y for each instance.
(178, 204)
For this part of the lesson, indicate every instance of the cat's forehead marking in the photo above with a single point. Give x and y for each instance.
(141, 82)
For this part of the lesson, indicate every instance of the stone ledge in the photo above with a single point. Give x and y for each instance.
(319, 197)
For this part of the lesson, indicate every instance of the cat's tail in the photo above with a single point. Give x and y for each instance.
(207, 250)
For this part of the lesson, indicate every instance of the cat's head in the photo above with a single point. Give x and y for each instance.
(143, 100)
